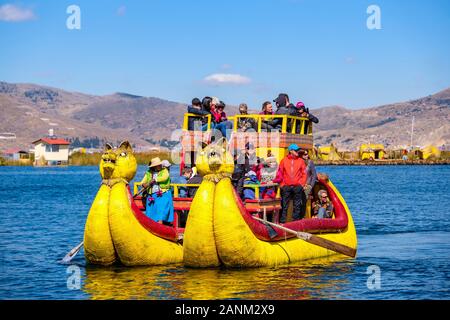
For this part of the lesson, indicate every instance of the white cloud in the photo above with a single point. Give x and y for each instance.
(350, 60)
(122, 10)
(13, 13)
(226, 78)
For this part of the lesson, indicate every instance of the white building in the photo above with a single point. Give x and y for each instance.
(51, 151)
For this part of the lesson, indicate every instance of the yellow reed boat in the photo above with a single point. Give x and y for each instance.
(225, 232)
(116, 229)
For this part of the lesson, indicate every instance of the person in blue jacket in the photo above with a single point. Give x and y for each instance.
(250, 179)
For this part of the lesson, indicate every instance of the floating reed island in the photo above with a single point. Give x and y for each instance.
(386, 162)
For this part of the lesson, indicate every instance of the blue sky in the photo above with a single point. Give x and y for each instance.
(320, 52)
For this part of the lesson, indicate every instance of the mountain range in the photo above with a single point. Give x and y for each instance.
(28, 111)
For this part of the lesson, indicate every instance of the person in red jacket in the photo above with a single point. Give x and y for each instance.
(292, 178)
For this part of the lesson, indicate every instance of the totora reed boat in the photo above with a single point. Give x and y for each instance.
(221, 229)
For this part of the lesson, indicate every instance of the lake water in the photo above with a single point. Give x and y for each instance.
(402, 216)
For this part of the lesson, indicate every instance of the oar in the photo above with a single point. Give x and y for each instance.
(318, 241)
(72, 253)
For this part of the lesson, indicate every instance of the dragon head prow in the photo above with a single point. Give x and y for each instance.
(118, 163)
(215, 159)
(107, 162)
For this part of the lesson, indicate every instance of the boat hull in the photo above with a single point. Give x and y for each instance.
(238, 246)
(134, 242)
(199, 244)
(98, 244)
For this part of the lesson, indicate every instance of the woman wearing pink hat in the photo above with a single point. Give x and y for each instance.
(302, 111)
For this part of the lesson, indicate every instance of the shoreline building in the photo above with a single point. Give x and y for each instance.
(371, 151)
(16, 154)
(51, 151)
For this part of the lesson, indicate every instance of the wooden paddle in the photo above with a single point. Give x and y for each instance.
(318, 241)
(72, 253)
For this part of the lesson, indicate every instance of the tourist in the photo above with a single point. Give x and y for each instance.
(268, 174)
(284, 107)
(250, 179)
(220, 121)
(194, 179)
(248, 160)
(269, 170)
(267, 122)
(322, 208)
(197, 109)
(206, 106)
(311, 173)
(301, 111)
(185, 176)
(159, 206)
(244, 162)
(311, 178)
(292, 178)
(245, 123)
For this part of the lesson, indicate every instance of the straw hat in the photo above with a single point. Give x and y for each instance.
(155, 162)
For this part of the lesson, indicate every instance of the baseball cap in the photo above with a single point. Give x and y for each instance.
(293, 147)
(281, 99)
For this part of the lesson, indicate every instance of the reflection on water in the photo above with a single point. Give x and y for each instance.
(300, 281)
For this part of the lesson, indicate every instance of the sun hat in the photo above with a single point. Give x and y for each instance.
(155, 162)
(165, 163)
(293, 147)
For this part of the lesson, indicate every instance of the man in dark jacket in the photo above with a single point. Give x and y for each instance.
(311, 177)
(197, 109)
(284, 107)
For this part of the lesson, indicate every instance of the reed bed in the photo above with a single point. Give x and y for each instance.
(92, 159)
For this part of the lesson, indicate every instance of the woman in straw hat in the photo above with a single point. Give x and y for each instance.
(159, 204)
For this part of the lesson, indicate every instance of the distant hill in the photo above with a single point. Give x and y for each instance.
(388, 124)
(29, 110)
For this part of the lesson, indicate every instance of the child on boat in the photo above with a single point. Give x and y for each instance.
(322, 208)
(250, 179)
(186, 175)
